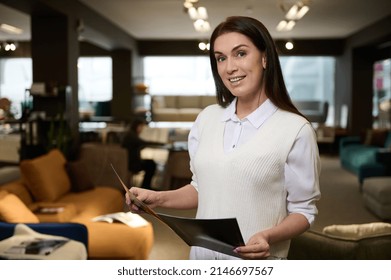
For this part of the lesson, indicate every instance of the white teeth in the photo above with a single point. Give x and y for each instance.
(237, 79)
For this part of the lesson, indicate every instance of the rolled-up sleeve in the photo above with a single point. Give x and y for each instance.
(302, 172)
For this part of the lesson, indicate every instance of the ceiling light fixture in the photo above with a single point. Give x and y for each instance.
(297, 11)
(189, 3)
(10, 29)
(201, 25)
(292, 15)
(198, 14)
(285, 25)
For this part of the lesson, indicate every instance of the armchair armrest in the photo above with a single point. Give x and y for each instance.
(74, 231)
(312, 245)
(384, 156)
(349, 140)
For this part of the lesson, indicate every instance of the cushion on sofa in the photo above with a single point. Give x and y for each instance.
(46, 176)
(3, 194)
(13, 210)
(79, 176)
(358, 231)
(166, 114)
(158, 102)
(170, 101)
(188, 101)
(179, 108)
(375, 137)
(188, 114)
(19, 189)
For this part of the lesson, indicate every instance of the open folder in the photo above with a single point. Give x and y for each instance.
(221, 235)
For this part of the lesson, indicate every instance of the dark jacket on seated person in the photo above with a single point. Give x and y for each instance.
(134, 144)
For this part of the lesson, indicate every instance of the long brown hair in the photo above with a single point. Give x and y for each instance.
(274, 82)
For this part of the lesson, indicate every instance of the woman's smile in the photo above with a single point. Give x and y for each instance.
(236, 80)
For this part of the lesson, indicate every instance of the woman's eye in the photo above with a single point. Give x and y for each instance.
(241, 53)
(220, 58)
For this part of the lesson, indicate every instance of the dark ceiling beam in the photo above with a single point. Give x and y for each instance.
(332, 47)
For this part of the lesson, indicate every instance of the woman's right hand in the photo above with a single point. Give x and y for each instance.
(148, 197)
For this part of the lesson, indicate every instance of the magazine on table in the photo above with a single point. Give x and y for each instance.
(128, 218)
(222, 235)
(36, 246)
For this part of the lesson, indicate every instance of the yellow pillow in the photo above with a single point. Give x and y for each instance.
(3, 193)
(358, 231)
(12, 210)
(46, 176)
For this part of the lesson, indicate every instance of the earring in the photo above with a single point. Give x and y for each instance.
(264, 62)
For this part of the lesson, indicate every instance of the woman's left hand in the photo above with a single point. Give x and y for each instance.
(256, 248)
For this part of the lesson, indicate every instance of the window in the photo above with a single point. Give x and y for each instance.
(382, 93)
(15, 78)
(95, 78)
(178, 75)
(310, 78)
(306, 78)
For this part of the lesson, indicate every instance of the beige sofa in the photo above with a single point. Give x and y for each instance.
(179, 108)
(369, 241)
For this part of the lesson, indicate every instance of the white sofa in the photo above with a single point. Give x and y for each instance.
(179, 108)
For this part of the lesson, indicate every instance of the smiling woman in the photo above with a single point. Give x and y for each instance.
(252, 149)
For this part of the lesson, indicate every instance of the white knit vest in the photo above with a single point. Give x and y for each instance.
(247, 183)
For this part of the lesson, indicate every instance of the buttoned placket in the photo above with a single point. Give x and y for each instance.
(237, 133)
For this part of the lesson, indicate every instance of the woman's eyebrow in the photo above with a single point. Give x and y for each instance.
(238, 47)
(234, 49)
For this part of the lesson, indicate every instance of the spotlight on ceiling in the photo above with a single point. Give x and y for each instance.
(204, 46)
(289, 45)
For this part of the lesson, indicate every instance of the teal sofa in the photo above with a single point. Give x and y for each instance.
(366, 158)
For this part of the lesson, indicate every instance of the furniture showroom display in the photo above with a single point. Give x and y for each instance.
(73, 192)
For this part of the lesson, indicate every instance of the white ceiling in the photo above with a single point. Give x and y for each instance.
(166, 19)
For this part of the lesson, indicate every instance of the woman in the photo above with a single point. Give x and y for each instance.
(253, 156)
